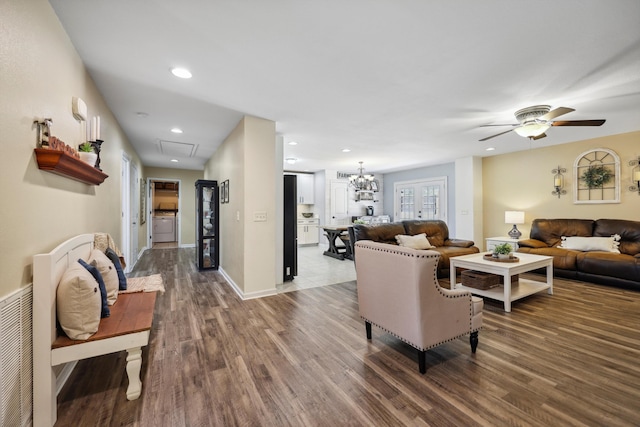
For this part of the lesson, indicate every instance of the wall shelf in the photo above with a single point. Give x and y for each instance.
(61, 163)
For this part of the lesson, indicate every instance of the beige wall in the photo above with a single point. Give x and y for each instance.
(247, 248)
(523, 181)
(40, 72)
(187, 180)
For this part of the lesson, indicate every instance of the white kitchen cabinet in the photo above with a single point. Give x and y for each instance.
(305, 187)
(308, 231)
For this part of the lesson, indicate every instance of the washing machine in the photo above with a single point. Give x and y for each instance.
(164, 228)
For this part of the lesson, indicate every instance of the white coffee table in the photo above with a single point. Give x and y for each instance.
(506, 292)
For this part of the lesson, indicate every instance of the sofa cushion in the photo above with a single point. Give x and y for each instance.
(629, 232)
(586, 244)
(564, 259)
(551, 231)
(383, 233)
(609, 264)
(436, 230)
(419, 241)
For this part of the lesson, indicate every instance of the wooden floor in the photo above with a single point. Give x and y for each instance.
(302, 359)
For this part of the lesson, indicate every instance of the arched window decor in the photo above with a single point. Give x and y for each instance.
(596, 174)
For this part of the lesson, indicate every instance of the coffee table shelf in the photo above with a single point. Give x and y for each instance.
(507, 292)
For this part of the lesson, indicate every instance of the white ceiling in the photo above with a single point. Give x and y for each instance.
(401, 83)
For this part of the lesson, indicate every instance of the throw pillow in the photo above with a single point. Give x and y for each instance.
(78, 303)
(419, 241)
(104, 307)
(606, 244)
(122, 279)
(108, 272)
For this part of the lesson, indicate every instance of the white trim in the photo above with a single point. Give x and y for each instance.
(444, 200)
(242, 295)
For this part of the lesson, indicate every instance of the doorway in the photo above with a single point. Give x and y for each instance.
(164, 213)
(424, 199)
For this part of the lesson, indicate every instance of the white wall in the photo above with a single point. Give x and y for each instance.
(248, 248)
(40, 73)
(524, 181)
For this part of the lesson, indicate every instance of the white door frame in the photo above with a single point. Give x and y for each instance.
(150, 208)
(441, 180)
(125, 200)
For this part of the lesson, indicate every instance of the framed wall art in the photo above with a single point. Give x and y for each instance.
(596, 174)
(226, 191)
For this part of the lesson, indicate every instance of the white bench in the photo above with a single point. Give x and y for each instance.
(127, 328)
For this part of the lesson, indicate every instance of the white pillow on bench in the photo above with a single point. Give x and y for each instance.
(78, 303)
(107, 270)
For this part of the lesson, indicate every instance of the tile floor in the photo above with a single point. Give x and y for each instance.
(316, 269)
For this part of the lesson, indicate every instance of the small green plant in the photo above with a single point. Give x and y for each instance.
(359, 221)
(502, 249)
(86, 147)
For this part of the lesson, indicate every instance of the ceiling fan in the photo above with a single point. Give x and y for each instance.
(534, 121)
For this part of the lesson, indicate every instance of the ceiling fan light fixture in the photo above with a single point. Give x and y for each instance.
(533, 129)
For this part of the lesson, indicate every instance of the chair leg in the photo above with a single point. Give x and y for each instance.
(422, 361)
(368, 327)
(473, 339)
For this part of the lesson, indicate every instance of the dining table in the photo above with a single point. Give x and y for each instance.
(333, 233)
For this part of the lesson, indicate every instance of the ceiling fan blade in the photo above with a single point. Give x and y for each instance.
(555, 113)
(542, 135)
(579, 122)
(503, 124)
(493, 136)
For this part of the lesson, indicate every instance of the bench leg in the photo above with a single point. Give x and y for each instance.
(134, 363)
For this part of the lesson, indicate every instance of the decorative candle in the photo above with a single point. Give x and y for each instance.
(636, 176)
(98, 128)
(557, 182)
(86, 128)
(93, 128)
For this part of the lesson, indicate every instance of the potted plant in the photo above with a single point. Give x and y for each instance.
(502, 251)
(87, 154)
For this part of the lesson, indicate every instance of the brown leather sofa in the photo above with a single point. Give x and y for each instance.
(607, 268)
(437, 232)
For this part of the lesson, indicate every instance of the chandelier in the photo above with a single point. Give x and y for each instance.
(361, 181)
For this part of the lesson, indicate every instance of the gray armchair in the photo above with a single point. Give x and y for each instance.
(398, 292)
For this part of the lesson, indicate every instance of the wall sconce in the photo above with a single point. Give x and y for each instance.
(514, 217)
(635, 175)
(558, 181)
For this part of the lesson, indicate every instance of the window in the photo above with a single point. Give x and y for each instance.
(424, 199)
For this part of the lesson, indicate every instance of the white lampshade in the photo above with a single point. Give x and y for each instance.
(514, 217)
(531, 130)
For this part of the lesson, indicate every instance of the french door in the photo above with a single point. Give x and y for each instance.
(424, 199)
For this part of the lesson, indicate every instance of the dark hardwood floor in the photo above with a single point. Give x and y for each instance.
(302, 359)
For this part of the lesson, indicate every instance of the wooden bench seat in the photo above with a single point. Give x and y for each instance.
(127, 328)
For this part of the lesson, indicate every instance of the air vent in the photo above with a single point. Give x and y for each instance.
(177, 149)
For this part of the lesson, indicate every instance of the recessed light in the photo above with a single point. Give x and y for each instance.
(293, 143)
(291, 160)
(142, 114)
(345, 150)
(176, 130)
(174, 160)
(183, 73)
(490, 148)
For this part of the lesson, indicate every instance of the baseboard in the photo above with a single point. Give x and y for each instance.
(188, 245)
(240, 293)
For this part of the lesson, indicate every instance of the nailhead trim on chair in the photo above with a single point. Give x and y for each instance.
(439, 288)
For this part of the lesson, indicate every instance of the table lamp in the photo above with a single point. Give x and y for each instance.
(514, 217)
